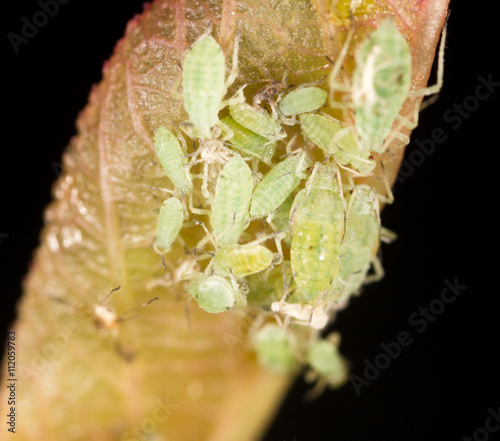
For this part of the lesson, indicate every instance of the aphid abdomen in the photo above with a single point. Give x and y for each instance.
(362, 237)
(230, 209)
(213, 293)
(244, 261)
(258, 121)
(323, 356)
(248, 142)
(322, 130)
(277, 185)
(381, 84)
(274, 348)
(168, 226)
(317, 228)
(172, 159)
(203, 84)
(307, 99)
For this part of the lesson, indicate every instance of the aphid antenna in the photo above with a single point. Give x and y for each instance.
(109, 294)
(161, 189)
(122, 318)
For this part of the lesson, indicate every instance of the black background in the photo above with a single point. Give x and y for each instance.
(445, 214)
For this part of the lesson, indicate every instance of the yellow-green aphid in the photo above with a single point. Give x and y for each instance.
(274, 347)
(230, 209)
(215, 293)
(317, 223)
(362, 237)
(173, 159)
(324, 358)
(278, 184)
(243, 260)
(204, 86)
(168, 226)
(248, 142)
(301, 100)
(258, 121)
(380, 85)
(334, 138)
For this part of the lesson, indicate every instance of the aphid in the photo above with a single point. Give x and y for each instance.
(215, 293)
(317, 221)
(334, 138)
(173, 159)
(204, 86)
(380, 85)
(269, 91)
(301, 100)
(248, 142)
(258, 121)
(324, 358)
(168, 226)
(217, 289)
(230, 208)
(278, 184)
(362, 237)
(275, 348)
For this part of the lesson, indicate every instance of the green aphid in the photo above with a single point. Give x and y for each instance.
(173, 159)
(248, 142)
(230, 208)
(324, 358)
(334, 138)
(317, 222)
(278, 184)
(258, 121)
(380, 84)
(228, 263)
(274, 347)
(301, 100)
(362, 237)
(204, 87)
(215, 293)
(243, 260)
(168, 226)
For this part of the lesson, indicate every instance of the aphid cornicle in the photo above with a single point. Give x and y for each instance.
(230, 208)
(317, 221)
(362, 237)
(204, 86)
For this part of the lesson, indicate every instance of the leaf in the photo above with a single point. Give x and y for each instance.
(164, 372)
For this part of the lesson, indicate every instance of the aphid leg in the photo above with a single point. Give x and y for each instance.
(238, 97)
(334, 85)
(389, 199)
(378, 272)
(436, 87)
(234, 65)
(208, 237)
(387, 236)
(200, 211)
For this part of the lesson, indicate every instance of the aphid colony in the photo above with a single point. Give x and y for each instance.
(283, 230)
